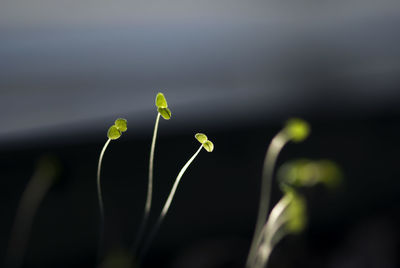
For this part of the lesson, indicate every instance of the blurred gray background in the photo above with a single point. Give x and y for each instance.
(65, 66)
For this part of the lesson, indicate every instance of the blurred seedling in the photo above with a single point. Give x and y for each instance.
(209, 147)
(289, 215)
(44, 176)
(114, 132)
(163, 111)
(295, 130)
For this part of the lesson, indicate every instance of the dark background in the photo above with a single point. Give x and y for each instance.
(231, 69)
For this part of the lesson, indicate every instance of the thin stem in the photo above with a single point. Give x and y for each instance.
(277, 143)
(100, 197)
(149, 188)
(271, 233)
(31, 199)
(168, 202)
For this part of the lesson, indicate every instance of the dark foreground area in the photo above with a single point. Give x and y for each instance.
(212, 217)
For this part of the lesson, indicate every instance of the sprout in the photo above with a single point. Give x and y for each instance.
(297, 129)
(288, 216)
(45, 175)
(305, 172)
(207, 145)
(173, 190)
(162, 108)
(114, 132)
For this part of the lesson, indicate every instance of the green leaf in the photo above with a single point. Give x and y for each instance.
(165, 113)
(209, 146)
(202, 138)
(121, 124)
(161, 102)
(113, 133)
(297, 129)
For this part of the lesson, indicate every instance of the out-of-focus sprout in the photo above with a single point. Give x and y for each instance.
(289, 215)
(162, 108)
(208, 146)
(113, 133)
(304, 172)
(45, 174)
(295, 130)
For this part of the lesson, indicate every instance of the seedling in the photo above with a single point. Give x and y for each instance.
(287, 217)
(114, 132)
(163, 110)
(295, 130)
(289, 214)
(43, 178)
(209, 147)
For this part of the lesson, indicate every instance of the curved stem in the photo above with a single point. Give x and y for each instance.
(277, 143)
(100, 197)
(168, 202)
(271, 233)
(149, 188)
(31, 199)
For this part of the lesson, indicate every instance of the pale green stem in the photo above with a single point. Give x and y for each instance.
(271, 233)
(100, 197)
(149, 188)
(168, 202)
(31, 198)
(277, 143)
(275, 218)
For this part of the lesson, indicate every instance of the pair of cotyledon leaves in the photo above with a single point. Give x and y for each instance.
(115, 131)
(162, 106)
(207, 144)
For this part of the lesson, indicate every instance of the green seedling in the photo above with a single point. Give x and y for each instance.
(209, 147)
(289, 215)
(304, 172)
(45, 175)
(295, 130)
(162, 108)
(113, 133)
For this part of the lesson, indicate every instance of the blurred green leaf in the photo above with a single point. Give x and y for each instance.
(296, 213)
(297, 129)
(304, 172)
